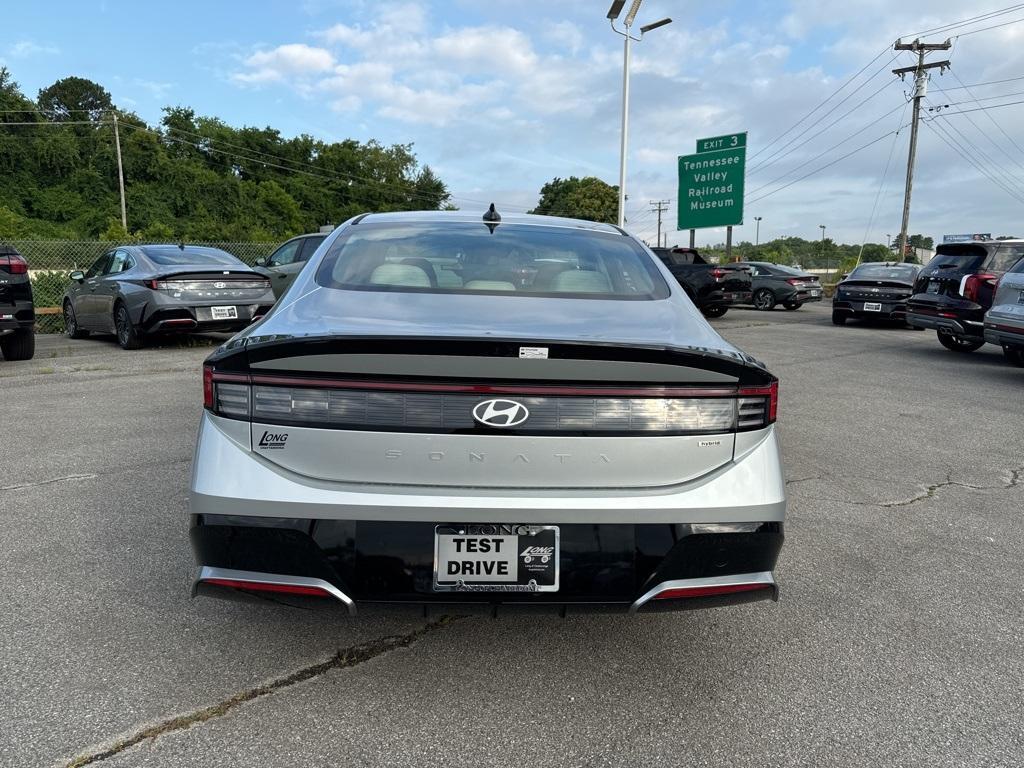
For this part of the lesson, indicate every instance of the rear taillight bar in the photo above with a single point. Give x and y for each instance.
(349, 403)
(14, 263)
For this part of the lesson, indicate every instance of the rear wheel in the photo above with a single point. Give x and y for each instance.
(764, 300)
(791, 305)
(1014, 355)
(20, 345)
(714, 311)
(959, 343)
(71, 327)
(128, 335)
(838, 318)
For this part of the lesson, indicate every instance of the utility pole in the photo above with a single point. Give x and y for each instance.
(120, 175)
(659, 206)
(920, 71)
(728, 243)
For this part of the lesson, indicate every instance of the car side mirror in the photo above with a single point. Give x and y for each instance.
(78, 276)
(261, 261)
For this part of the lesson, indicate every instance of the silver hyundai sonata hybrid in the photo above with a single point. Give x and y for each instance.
(499, 412)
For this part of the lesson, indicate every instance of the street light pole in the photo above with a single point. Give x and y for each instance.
(822, 226)
(627, 23)
(757, 232)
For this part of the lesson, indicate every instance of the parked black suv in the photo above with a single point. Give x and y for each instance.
(712, 287)
(17, 313)
(955, 289)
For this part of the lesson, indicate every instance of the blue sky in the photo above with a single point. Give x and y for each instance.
(499, 97)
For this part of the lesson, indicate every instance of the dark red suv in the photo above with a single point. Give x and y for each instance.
(955, 289)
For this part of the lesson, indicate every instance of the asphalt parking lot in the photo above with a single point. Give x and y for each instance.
(897, 641)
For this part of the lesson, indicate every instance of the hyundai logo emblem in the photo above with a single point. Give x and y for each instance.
(500, 413)
(220, 285)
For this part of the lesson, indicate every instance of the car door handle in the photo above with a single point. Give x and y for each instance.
(282, 276)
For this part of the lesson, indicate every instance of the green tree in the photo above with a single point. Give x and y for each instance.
(920, 241)
(587, 198)
(74, 98)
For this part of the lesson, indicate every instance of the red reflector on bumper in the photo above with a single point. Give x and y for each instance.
(258, 586)
(709, 591)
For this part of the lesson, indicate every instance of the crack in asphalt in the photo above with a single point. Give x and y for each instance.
(930, 491)
(803, 480)
(344, 658)
(50, 481)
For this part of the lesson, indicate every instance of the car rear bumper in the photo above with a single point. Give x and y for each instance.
(21, 314)
(801, 297)
(606, 567)
(193, 319)
(1004, 331)
(889, 309)
(725, 298)
(375, 543)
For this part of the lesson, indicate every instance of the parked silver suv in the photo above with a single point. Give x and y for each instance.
(1004, 322)
(527, 411)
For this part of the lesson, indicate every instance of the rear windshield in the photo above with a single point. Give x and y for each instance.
(784, 270)
(175, 257)
(964, 256)
(904, 272)
(513, 260)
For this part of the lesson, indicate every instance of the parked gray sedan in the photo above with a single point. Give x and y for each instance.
(135, 291)
(1004, 322)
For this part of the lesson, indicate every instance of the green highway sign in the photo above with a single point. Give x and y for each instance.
(711, 186)
(729, 141)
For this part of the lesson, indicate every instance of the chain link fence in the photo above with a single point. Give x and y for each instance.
(50, 262)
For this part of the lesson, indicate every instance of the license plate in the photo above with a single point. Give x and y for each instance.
(815, 292)
(872, 307)
(933, 287)
(224, 313)
(496, 558)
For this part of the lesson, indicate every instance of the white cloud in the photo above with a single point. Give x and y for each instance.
(284, 62)
(25, 48)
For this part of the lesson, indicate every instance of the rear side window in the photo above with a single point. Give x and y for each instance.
(1018, 269)
(309, 246)
(1004, 257)
(513, 260)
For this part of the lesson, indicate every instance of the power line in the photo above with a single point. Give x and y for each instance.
(825, 152)
(827, 165)
(953, 144)
(983, 109)
(988, 115)
(823, 103)
(881, 185)
(979, 85)
(997, 169)
(967, 22)
(775, 156)
(994, 26)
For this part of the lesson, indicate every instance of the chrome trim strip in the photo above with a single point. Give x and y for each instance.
(209, 572)
(764, 577)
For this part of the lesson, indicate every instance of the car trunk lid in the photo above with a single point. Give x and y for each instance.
(500, 414)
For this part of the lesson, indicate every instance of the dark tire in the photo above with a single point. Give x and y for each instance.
(71, 327)
(128, 334)
(958, 343)
(1014, 355)
(764, 300)
(838, 318)
(792, 305)
(714, 311)
(20, 345)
